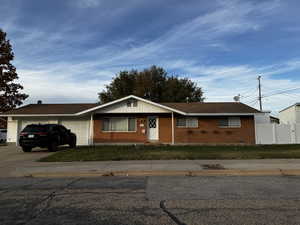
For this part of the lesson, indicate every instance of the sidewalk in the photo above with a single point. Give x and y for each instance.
(158, 168)
(14, 163)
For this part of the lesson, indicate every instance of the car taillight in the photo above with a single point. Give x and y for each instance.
(23, 133)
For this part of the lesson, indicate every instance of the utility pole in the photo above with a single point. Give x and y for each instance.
(259, 93)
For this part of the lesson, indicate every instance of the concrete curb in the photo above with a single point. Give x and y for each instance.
(277, 172)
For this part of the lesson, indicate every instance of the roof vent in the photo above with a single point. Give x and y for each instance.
(39, 102)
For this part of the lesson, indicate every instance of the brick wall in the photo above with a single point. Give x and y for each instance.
(207, 132)
(122, 137)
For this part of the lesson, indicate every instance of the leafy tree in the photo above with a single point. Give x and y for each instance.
(10, 97)
(153, 84)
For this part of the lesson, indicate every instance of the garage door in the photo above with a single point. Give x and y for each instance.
(80, 128)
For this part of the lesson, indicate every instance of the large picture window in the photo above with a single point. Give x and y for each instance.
(187, 122)
(116, 124)
(230, 122)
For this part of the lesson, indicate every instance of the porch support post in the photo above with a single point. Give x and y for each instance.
(173, 128)
(92, 129)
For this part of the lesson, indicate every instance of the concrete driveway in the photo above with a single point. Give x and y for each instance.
(12, 157)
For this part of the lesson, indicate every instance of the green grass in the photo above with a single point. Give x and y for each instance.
(117, 153)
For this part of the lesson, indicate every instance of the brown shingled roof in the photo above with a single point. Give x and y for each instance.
(212, 107)
(51, 109)
(193, 107)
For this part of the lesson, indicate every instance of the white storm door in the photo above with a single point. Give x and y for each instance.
(153, 128)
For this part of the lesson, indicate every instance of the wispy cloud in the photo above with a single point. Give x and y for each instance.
(224, 82)
(53, 86)
(72, 58)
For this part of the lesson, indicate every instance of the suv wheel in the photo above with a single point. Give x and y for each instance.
(53, 146)
(26, 149)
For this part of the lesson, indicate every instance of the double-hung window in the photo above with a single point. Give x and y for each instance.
(187, 122)
(230, 122)
(119, 124)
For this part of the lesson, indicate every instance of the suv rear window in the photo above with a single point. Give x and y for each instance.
(35, 128)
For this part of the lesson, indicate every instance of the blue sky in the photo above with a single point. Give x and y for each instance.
(67, 51)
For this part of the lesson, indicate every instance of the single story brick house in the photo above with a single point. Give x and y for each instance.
(136, 120)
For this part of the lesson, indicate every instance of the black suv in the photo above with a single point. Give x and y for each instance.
(46, 135)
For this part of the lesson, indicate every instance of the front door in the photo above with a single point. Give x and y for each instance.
(153, 128)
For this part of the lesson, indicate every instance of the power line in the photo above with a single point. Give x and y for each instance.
(252, 101)
(285, 89)
(250, 94)
(291, 95)
(281, 92)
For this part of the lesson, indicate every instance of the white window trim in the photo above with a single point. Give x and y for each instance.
(186, 126)
(114, 131)
(231, 126)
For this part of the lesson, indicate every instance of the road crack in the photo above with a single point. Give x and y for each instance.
(172, 216)
(44, 204)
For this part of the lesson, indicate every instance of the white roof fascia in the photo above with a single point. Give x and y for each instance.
(128, 97)
(186, 114)
(36, 115)
(220, 114)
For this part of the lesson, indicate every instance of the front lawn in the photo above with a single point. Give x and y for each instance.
(140, 152)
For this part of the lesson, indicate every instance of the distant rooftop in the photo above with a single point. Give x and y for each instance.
(296, 104)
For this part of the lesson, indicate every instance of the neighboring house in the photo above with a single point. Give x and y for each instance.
(274, 119)
(290, 115)
(3, 123)
(136, 120)
(282, 130)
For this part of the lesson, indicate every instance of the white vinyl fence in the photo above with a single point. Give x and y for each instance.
(277, 134)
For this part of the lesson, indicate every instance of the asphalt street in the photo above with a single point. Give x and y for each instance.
(150, 200)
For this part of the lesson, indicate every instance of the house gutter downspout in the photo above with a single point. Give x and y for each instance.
(173, 128)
